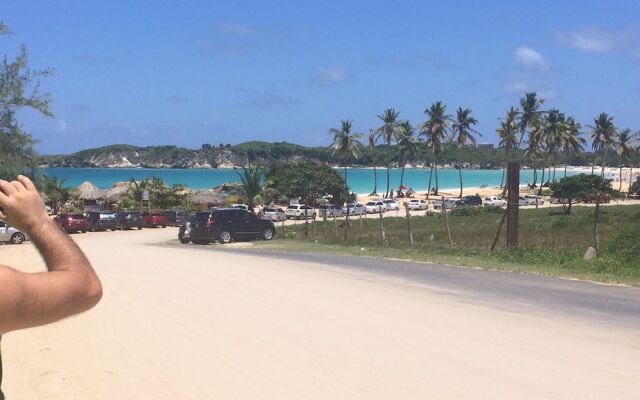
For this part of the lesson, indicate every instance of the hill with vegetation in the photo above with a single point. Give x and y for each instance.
(228, 156)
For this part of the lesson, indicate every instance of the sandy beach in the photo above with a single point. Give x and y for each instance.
(190, 323)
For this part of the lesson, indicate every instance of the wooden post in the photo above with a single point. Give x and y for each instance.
(446, 221)
(406, 208)
(513, 195)
(324, 225)
(596, 216)
(497, 236)
(382, 235)
(361, 227)
(335, 226)
(306, 222)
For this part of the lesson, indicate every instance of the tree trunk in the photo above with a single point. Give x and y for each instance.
(630, 178)
(535, 174)
(386, 194)
(382, 235)
(429, 184)
(513, 182)
(620, 188)
(554, 174)
(446, 221)
(604, 160)
(406, 208)
(541, 182)
(502, 179)
(375, 179)
(306, 222)
(460, 175)
(593, 163)
(402, 173)
(346, 228)
(565, 169)
(497, 236)
(435, 167)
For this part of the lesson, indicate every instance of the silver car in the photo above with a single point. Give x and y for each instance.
(355, 209)
(11, 234)
(274, 214)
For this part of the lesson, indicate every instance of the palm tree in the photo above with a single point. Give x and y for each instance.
(388, 131)
(136, 190)
(435, 129)
(372, 150)
(508, 134)
(625, 150)
(407, 145)
(463, 133)
(251, 183)
(347, 145)
(603, 134)
(535, 148)
(530, 115)
(554, 129)
(56, 192)
(572, 141)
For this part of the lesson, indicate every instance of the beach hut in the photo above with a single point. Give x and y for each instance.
(209, 197)
(114, 194)
(89, 194)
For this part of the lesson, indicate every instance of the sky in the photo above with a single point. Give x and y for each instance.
(194, 72)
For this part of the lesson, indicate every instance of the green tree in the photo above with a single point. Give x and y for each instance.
(554, 128)
(251, 183)
(625, 150)
(407, 146)
(346, 145)
(56, 193)
(463, 133)
(388, 132)
(603, 134)
(309, 182)
(572, 189)
(508, 134)
(19, 90)
(572, 141)
(436, 128)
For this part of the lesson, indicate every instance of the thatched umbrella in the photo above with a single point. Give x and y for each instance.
(208, 196)
(89, 191)
(115, 193)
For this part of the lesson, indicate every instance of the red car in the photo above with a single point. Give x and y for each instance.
(72, 222)
(152, 219)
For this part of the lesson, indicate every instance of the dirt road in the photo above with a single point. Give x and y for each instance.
(181, 323)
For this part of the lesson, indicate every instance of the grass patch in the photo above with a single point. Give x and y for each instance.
(550, 243)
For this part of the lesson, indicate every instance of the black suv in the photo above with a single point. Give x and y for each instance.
(101, 220)
(128, 220)
(469, 201)
(226, 224)
(176, 218)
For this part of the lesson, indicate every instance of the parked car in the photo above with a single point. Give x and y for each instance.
(153, 219)
(355, 209)
(533, 199)
(240, 206)
(330, 211)
(12, 235)
(176, 217)
(129, 220)
(101, 220)
(274, 214)
(417, 204)
(449, 203)
(391, 204)
(555, 200)
(494, 201)
(184, 233)
(227, 224)
(522, 201)
(300, 211)
(472, 200)
(72, 222)
(603, 198)
(375, 207)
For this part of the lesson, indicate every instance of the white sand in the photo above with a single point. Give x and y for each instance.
(194, 324)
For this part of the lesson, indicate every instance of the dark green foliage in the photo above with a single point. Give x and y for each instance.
(465, 211)
(251, 183)
(635, 187)
(308, 181)
(576, 187)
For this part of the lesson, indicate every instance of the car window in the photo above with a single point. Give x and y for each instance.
(202, 216)
(2, 224)
(292, 208)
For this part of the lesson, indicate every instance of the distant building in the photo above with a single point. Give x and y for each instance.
(485, 146)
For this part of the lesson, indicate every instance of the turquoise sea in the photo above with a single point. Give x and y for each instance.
(360, 179)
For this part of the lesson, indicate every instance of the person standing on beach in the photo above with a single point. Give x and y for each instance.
(70, 286)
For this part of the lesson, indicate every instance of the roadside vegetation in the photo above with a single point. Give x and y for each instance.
(551, 242)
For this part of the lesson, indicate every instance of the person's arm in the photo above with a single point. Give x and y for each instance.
(69, 287)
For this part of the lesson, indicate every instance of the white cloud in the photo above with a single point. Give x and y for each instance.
(519, 88)
(592, 39)
(529, 58)
(330, 75)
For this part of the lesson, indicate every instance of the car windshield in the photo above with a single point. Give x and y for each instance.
(269, 210)
(292, 208)
(76, 216)
(202, 216)
(371, 203)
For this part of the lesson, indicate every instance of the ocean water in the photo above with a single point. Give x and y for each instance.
(360, 180)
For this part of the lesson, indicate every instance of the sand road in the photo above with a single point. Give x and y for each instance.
(186, 323)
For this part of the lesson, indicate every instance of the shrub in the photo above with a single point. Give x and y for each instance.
(465, 211)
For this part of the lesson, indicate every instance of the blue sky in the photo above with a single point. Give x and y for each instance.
(194, 72)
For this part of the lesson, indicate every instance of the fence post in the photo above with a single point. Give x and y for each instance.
(382, 235)
(446, 221)
(406, 208)
(324, 225)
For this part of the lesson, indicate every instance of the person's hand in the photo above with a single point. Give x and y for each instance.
(23, 207)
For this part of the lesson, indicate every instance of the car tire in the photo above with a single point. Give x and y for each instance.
(184, 241)
(17, 238)
(139, 227)
(84, 231)
(113, 229)
(164, 226)
(267, 234)
(225, 236)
